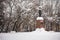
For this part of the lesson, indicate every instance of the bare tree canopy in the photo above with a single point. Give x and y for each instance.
(20, 15)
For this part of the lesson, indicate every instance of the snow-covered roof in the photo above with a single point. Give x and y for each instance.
(40, 18)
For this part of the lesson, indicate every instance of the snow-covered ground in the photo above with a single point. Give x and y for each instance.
(39, 34)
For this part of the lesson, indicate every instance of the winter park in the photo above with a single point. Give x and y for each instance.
(29, 19)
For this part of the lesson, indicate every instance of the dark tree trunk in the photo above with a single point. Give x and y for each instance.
(1, 17)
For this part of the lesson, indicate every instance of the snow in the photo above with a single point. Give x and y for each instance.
(38, 34)
(30, 4)
(40, 30)
(28, 9)
(40, 18)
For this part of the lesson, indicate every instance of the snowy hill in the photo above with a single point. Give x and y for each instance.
(35, 35)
